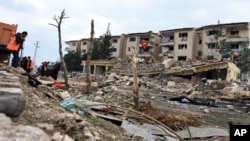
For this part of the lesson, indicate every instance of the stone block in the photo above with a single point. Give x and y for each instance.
(12, 105)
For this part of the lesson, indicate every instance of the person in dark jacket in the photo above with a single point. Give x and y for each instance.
(20, 38)
(44, 69)
(56, 70)
(24, 62)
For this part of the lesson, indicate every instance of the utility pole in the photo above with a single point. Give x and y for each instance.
(36, 45)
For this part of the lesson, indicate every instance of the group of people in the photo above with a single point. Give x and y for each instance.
(16, 44)
(27, 64)
(52, 71)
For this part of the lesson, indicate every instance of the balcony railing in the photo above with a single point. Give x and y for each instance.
(239, 39)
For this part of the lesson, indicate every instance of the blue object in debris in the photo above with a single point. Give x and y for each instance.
(70, 102)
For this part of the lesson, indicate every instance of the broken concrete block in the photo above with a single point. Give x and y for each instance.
(206, 111)
(12, 106)
(230, 107)
(4, 119)
(98, 98)
(64, 95)
(171, 83)
(99, 92)
(57, 136)
(22, 133)
(46, 126)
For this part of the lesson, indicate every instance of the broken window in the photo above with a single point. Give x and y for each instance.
(84, 51)
(74, 44)
(235, 46)
(129, 49)
(212, 32)
(115, 41)
(200, 41)
(171, 48)
(132, 39)
(184, 58)
(115, 49)
(171, 38)
(211, 45)
(184, 34)
(234, 32)
(182, 46)
(84, 43)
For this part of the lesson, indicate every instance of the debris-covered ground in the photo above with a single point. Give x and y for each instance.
(172, 103)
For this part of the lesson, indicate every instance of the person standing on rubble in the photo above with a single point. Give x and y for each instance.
(29, 65)
(43, 69)
(56, 70)
(24, 62)
(15, 48)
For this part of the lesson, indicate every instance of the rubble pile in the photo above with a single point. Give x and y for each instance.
(169, 102)
(44, 116)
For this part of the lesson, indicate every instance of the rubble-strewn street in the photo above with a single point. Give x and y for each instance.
(172, 107)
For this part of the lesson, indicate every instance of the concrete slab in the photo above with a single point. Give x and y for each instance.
(6, 73)
(205, 132)
(10, 84)
(10, 91)
(147, 131)
(4, 120)
(8, 78)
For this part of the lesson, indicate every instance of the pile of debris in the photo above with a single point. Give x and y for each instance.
(169, 106)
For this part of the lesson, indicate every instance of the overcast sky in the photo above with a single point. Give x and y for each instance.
(124, 16)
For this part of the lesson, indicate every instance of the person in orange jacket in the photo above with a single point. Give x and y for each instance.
(29, 65)
(19, 40)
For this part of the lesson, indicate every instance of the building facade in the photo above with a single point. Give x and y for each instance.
(231, 36)
(178, 44)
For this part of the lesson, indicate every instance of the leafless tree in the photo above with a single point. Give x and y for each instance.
(135, 79)
(89, 55)
(58, 20)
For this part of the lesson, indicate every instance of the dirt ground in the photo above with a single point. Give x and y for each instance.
(41, 108)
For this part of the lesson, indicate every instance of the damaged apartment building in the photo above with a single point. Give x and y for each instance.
(180, 45)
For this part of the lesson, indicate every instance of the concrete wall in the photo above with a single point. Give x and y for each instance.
(233, 72)
(187, 41)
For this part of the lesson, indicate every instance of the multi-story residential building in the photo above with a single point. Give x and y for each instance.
(82, 45)
(136, 39)
(232, 36)
(74, 45)
(178, 43)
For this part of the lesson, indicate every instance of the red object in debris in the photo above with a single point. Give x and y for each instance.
(58, 84)
(144, 45)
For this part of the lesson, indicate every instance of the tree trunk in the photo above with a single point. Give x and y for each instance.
(135, 83)
(58, 26)
(62, 60)
(89, 55)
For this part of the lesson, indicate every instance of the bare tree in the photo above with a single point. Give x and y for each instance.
(89, 55)
(58, 20)
(135, 79)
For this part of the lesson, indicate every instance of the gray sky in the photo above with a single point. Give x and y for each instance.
(124, 16)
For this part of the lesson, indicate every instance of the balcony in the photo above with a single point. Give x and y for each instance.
(167, 53)
(169, 42)
(150, 51)
(237, 39)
